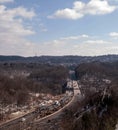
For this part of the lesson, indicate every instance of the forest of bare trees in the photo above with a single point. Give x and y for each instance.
(18, 80)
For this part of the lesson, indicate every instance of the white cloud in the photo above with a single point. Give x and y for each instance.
(10, 25)
(21, 11)
(6, 1)
(18, 46)
(99, 7)
(97, 47)
(67, 14)
(97, 42)
(71, 45)
(13, 32)
(80, 9)
(76, 45)
(75, 37)
(114, 35)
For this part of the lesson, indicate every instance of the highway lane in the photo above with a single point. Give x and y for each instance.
(76, 96)
(57, 113)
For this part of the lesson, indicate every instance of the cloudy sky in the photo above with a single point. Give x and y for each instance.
(58, 27)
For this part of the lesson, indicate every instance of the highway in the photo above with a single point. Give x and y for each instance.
(24, 121)
(42, 123)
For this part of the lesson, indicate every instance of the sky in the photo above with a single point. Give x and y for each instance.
(58, 27)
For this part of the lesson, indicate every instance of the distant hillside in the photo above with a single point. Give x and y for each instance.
(11, 58)
(59, 59)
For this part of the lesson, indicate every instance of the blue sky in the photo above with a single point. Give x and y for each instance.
(58, 27)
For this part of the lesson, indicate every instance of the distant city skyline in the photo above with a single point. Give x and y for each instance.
(58, 27)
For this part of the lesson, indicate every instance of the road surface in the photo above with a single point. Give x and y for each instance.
(50, 122)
